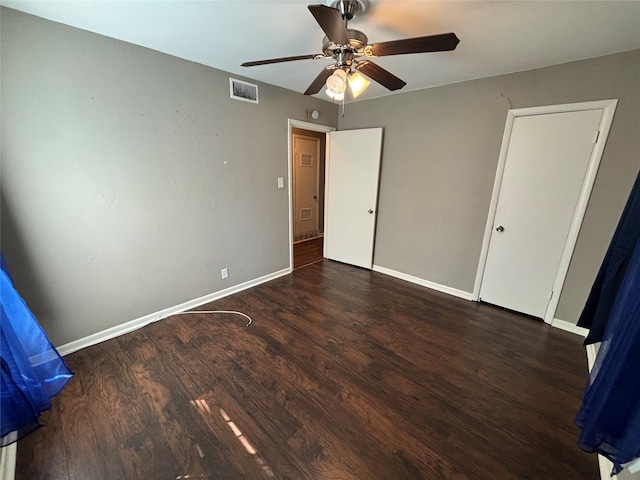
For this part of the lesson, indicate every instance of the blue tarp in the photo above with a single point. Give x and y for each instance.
(32, 370)
(610, 413)
(597, 309)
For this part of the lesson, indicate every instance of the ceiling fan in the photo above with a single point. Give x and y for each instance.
(350, 50)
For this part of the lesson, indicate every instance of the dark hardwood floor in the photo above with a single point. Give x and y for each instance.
(307, 252)
(344, 374)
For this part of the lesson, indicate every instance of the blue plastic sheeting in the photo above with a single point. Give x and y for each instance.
(610, 412)
(32, 370)
(597, 310)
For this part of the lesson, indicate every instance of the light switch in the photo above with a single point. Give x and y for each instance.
(280, 182)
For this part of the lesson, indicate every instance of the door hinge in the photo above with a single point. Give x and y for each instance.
(595, 140)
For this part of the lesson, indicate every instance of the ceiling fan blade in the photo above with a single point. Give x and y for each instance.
(319, 81)
(280, 60)
(380, 75)
(431, 43)
(330, 20)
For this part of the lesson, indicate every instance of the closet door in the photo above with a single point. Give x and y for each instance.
(544, 176)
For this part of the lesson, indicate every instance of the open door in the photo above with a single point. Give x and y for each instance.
(352, 178)
(304, 247)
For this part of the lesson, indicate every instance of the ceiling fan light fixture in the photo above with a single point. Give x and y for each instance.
(337, 82)
(357, 84)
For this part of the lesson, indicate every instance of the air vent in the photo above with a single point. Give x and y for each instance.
(245, 91)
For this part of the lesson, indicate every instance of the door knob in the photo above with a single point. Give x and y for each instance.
(370, 211)
(500, 229)
(315, 197)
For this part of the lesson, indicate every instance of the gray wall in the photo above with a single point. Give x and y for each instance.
(441, 149)
(129, 178)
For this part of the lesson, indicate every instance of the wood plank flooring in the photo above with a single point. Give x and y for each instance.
(344, 374)
(307, 252)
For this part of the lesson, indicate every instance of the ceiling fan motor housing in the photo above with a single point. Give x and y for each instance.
(357, 42)
(349, 8)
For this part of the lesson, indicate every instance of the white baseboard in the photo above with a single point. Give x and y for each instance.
(127, 327)
(561, 324)
(425, 283)
(569, 327)
(8, 461)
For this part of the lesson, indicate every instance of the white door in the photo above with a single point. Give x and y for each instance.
(546, 165)
(306, 182)
(353, 170)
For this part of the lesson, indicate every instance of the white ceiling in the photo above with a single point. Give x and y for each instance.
(495, 37)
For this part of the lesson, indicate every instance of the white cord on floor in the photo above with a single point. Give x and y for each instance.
(219, 311)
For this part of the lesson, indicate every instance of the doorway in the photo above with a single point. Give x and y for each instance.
(349, 198)
(308, 172)
(548, 163)
(307, 160)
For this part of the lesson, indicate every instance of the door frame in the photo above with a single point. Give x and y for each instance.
(314, 127)
(608, 107)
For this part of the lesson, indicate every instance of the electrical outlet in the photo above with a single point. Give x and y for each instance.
(280, 182)
(224, 273)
